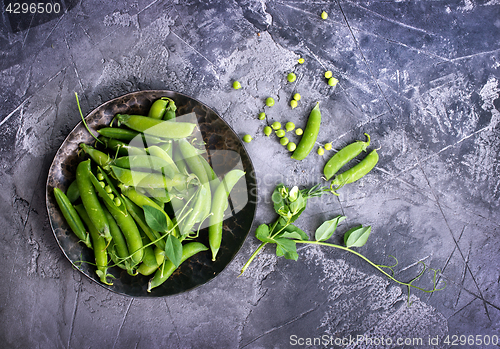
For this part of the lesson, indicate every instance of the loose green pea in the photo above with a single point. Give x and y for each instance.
(280, 133)
(289, 126)
(262, 116)
(328, 74)
(299, 132)
(301, 60)
(321, 151)
(293, 103)
(276, 125)
(284, 141)
(247, 138)
(328, 146)
(297, 96)
(291, 146)
(291, 77)
(268, 130)
(332, 81)
(236, 85)
(324, 15)
(270, 101)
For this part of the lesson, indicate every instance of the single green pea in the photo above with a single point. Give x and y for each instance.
(111, 196)
(100, 176)
(324, 15)
(236, 85)
(328, 146)
(301, 60)
(284, 141)
(291, 77)
(291, 146)
(247, 138)
(280, 133)
(108, 189)
(270, 101)
(117, 201)
(332, 81)
(276, 125)
(297, 96)
(328, 74)
(262, 116)
(293, 103)
(299, 132)
(321, 151)
(102, 184)
(289, 126)
(268, 130)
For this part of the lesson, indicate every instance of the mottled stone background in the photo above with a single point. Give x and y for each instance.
(421, 77)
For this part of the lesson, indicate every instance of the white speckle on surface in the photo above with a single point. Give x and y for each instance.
(121, 19)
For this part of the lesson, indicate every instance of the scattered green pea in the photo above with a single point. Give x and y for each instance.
(301, 60)
(328, 74)
(289, 126)
(262, 116)
(117, 201)
(297, 96)
(321, 151)
(324, 15)
(332, 81)
(299, 132)
(284, 141)
(291, 146)
(236, 85)
(280, 133)
(270, 101)
(328, 146)
(293, 103)
(291, 77)
(268, 130)
(276, 125)
(247, 138)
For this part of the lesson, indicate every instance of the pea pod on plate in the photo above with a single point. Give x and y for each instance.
(156, 128)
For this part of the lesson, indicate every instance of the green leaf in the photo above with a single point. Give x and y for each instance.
(297, 215)
(155, 218)
(357, 236)
(173, 250)
(293, 232)
(325, 231)
(279, 251)
(288, 247)
(263, 234)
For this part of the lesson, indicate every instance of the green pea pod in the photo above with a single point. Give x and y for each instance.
(118, 249)
(309, 136)
(343, 156)
(117, 133)
(146, 179)
(90, 200)
(167, 268)
(163, 154)
(159, 107)
(144, 162)
(212, 176)
(125, 222)
(193, 217)
(356, 172)
(157, 128)
(100, 158)
(72, 217)
(219, 204)
(99, 243)
(121, 148)
(72, 192)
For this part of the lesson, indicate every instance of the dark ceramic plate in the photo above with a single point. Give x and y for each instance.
(226, 150)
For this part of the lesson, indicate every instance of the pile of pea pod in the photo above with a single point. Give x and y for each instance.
(141, 163)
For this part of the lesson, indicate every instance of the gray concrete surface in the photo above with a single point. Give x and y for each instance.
(422, 78)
